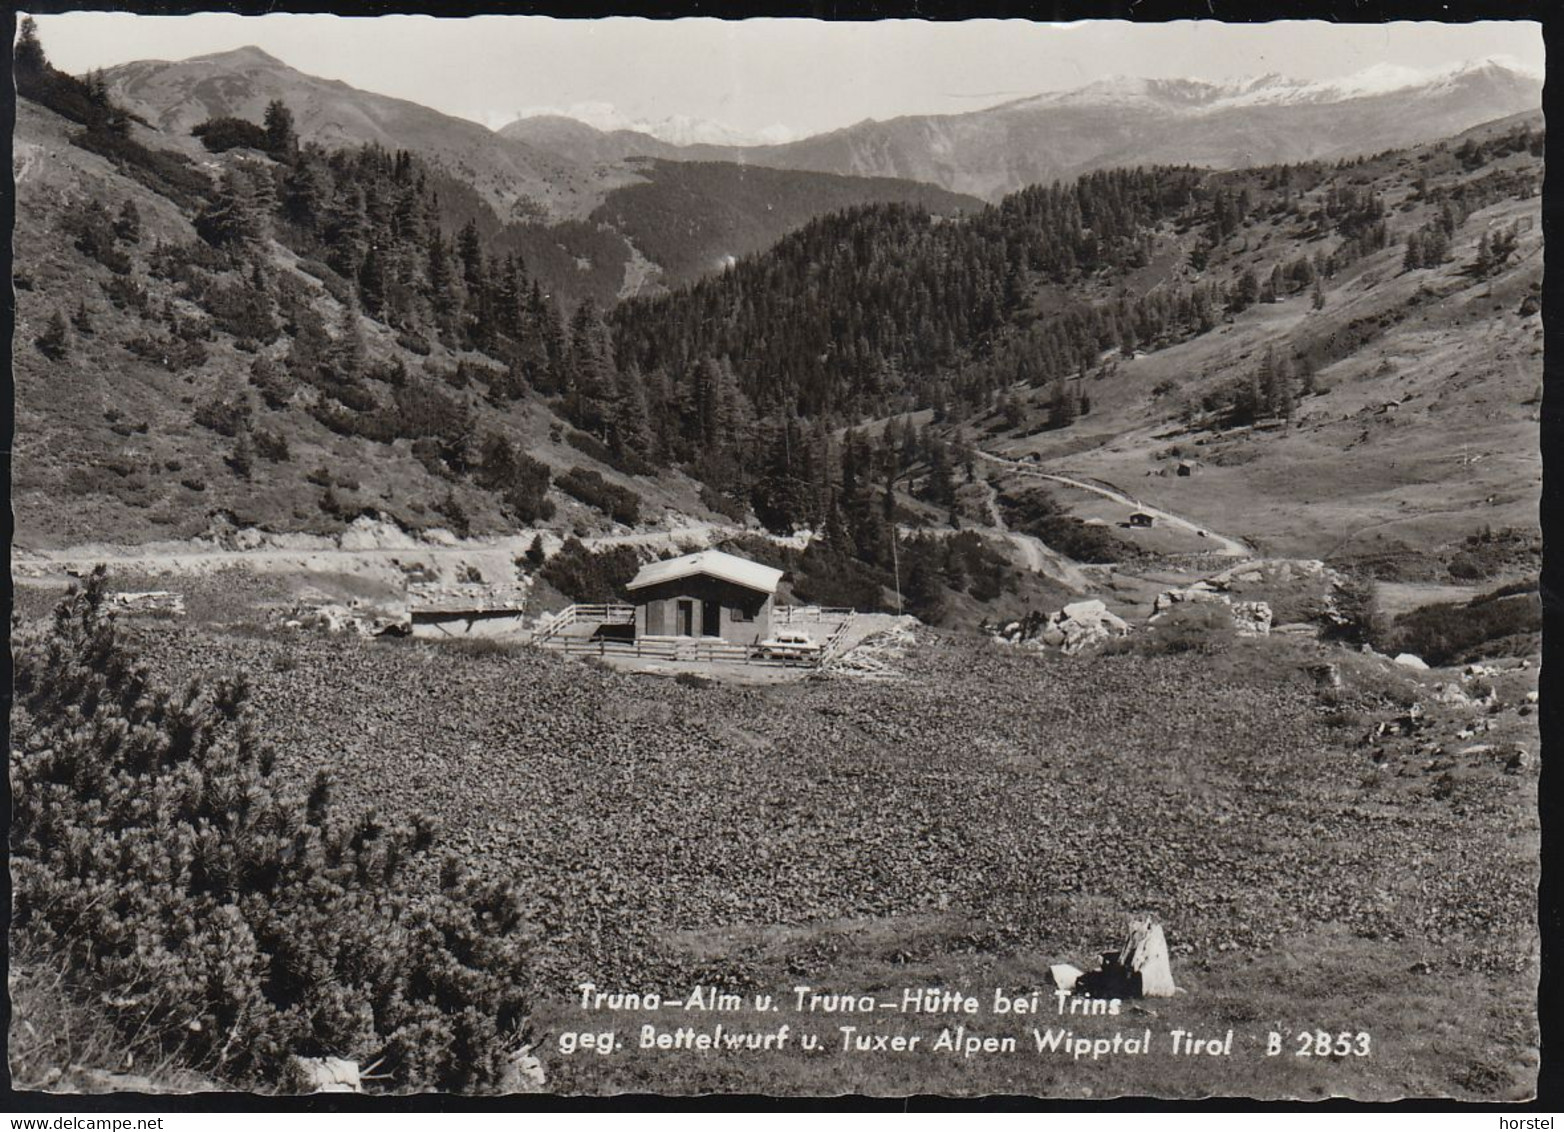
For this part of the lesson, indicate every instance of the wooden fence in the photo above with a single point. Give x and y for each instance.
(688, 649)
(550, 634)
(609, 613)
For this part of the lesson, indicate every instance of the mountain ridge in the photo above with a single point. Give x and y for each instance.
(1058, 135)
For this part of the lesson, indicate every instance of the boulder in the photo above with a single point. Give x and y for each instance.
(1064, 975)
(1146, 953)
(149, 601)
(1139, 969)
(1326, 675)
(1083, 611)
(1407, 660)
(328, 1075)
(1451, 694)
(1252, 618)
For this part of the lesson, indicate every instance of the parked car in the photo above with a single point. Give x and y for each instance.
(788, 644)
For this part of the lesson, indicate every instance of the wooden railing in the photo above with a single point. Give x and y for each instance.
(701, 649)
(602, 613)
(834, 641)
(698, 649)
(795, 614)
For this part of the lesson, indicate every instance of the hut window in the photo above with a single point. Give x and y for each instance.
(741, 615)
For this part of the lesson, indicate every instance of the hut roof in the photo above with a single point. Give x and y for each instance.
(713, 563)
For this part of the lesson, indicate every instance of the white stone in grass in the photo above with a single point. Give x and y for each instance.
(1065, 976)
(329, 1075)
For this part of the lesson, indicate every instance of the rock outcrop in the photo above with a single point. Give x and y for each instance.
(1077, 626)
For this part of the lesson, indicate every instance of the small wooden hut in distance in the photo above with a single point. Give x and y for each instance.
(710, 594)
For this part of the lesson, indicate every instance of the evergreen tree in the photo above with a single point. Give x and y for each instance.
(306, 192)
(233, 220)
(592, 377)
(629, 430)
(127, 226)
(1414, 254)
(1062, 407)
(29, 58)
(282, 140)
(55, 342)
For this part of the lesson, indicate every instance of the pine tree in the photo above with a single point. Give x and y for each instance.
(127, 226)
(55, 342)
(1484, 256)
(233, 219)
(349, 353)
(1062, 407)
(282, 140)
(306, 192)
(29, 59)
(593, 381)
(1414, 255)
(629, 429)
(242, 459)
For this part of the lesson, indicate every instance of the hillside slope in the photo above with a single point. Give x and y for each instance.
(518, 180)
(588, 221)
(1421, 430)
(1125, 122)
(110, 440)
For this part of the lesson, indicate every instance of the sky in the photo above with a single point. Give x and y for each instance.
(764, 79)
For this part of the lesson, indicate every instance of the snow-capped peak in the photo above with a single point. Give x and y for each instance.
(1202, 96)
(676, 129)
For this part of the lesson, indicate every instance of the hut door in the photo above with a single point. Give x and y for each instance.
(654, 619)
(711, 619)
(686, 619)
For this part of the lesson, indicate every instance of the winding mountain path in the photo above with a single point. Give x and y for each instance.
(1226, 544)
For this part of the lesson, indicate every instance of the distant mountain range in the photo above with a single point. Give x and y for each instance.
(616, 212)
(519, 180)
(591, 218)
(1114, 122)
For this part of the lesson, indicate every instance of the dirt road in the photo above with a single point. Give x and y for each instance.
(1040, 557)
(1224, 544)
(376, 551)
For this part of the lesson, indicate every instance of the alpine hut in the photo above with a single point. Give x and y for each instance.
(710, 594)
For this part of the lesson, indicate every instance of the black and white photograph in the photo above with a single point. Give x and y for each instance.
(785, 557)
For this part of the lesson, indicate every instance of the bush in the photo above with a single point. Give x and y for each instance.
(1035, 512)
(240, 309)
(173, 354)
(620, 503)
(96, 238)
(271, 446)
(584, 575)
(127, 294)
(729, 508)
(228, 921)
(519, 479)
(164, 172)
(1204, 627)
(222, 134)
(275, 385)
(55, 341)
(829, 578)
(1466, 568)
(1453, 633)
(628, 463)
(222, 416)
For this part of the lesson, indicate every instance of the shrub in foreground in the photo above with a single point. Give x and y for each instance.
(222, 920)
(1455, 633)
